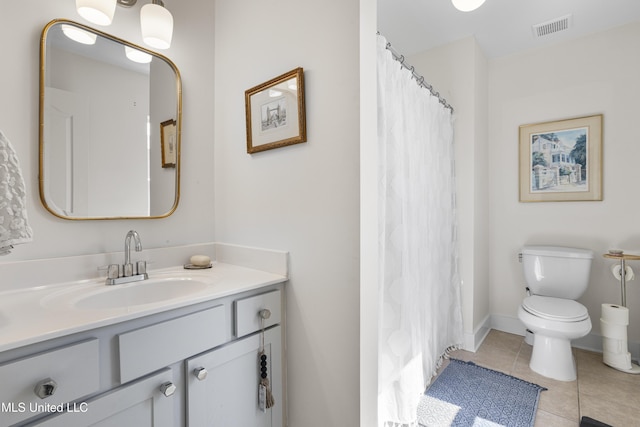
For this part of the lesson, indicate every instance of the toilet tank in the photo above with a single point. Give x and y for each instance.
(556, 271)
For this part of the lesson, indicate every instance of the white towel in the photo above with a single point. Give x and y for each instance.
(14, 227)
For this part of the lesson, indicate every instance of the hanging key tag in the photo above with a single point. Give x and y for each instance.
(262, 398)
(265, 398)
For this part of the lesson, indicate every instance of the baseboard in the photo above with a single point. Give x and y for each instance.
(591, 342)
(472, 341)
(509, 324)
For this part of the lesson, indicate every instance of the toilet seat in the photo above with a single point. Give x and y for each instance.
(558, 309)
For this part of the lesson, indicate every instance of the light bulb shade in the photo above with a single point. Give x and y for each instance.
(467, 5)
(99, 12)
(78, 34)
(156, 23)
(136, 55)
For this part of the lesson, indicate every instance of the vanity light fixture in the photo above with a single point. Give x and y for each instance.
(467, 5)
(79, 35)
(156, 22)
(157, 25)
(137, 55)
(99, 12)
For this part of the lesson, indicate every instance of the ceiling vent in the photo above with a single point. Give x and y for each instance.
(554, 26)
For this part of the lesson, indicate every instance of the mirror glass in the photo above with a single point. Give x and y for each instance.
(110, 119)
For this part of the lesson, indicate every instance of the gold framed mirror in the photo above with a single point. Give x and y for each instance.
(104, 105)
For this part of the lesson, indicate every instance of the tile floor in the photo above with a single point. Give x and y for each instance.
(600, 392)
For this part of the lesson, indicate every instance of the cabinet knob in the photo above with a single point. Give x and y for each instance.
(45, 388)
(264, 313)
(168, 389)
(200, 373)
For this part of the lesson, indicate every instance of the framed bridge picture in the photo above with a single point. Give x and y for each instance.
(168, 143)
(276, 112)
(562, 160)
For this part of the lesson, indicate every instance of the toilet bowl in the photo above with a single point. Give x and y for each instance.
(556, 277)
(554, 323)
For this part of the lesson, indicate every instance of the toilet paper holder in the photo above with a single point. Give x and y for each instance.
(623, 258)
(615, 319)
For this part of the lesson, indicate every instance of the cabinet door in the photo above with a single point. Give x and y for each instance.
(139, 404)
(228, 396)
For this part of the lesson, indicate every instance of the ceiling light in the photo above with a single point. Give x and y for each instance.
(99, 12)
(467, 5)
(79, 35)
(157, 25)
(156, 22)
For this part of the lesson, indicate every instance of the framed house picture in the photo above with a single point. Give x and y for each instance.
(561, 160)
(275, 113)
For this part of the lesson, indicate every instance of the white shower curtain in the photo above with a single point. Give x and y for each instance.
(420, 314)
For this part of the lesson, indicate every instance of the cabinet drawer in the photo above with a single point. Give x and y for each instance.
(247, 312)
(148, 349)
(140, 403)
(74, 369)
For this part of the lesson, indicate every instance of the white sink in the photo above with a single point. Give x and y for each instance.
(132, 294)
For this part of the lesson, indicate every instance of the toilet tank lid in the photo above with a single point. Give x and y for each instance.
(557, 251)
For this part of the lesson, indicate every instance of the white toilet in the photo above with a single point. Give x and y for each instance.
(556, 276)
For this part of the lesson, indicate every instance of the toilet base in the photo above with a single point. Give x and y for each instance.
(553, 358)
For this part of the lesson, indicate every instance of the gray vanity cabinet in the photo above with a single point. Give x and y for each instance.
(148, 371)
(228, 395)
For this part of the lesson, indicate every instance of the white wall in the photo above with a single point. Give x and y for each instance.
(369, 257)
(592, 75)
(302, 198)
(458, 71)
(22, 23)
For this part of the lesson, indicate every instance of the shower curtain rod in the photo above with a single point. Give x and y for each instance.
(419, 79)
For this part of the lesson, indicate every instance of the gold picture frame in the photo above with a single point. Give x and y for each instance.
(168, 143)
(276, 112)
(561, 160)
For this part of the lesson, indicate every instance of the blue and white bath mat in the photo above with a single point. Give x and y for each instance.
(468, 395)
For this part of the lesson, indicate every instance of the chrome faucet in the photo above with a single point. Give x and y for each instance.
(127, 250)
(129, 274)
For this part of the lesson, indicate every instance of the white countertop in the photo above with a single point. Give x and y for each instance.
(36, 314)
